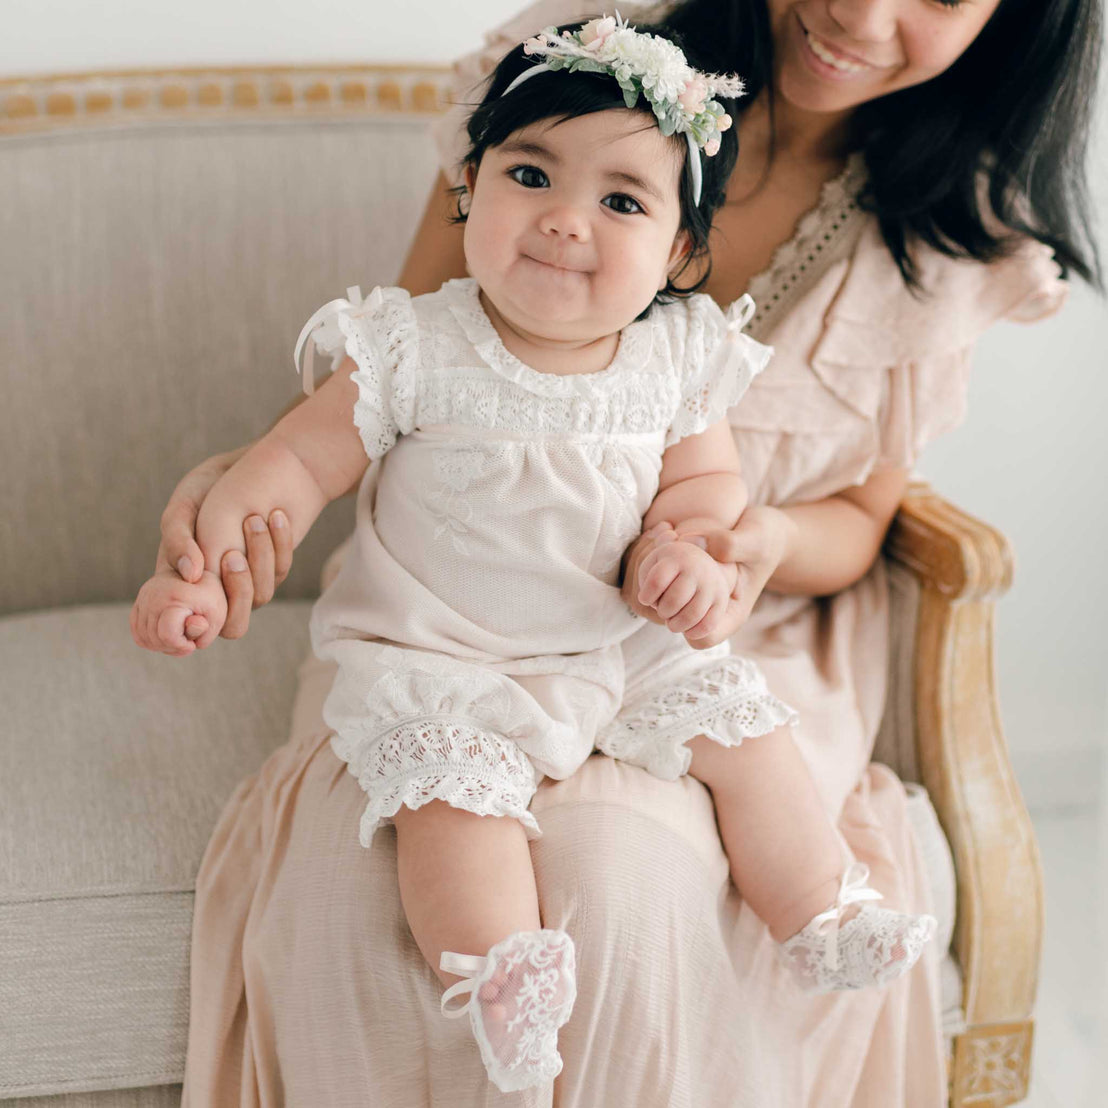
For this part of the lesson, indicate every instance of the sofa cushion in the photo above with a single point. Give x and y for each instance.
(114, 766)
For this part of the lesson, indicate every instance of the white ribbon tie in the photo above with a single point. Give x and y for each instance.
(852, 890)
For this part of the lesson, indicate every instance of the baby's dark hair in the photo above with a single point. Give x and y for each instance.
(561, 96)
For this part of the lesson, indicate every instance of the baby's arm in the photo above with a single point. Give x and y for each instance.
(701, 482)
(700, 486)
(312, 455)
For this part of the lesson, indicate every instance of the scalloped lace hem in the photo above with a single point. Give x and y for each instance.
(419, 760)
(477, 794)
(727, 704)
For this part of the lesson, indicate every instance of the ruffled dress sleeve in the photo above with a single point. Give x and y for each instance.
(927, 391)
(381, 335)
(716, 361)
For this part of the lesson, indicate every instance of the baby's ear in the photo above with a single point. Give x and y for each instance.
(682, 246)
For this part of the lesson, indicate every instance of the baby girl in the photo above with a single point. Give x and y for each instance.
(527, 425)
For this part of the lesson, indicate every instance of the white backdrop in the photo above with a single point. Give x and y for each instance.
(1032, 457)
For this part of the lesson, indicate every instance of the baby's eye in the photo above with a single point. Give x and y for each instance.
(622, 203)
(529, 176)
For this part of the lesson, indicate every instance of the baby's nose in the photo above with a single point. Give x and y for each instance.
(565, 221)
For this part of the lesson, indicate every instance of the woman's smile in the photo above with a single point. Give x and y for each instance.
(831, 61)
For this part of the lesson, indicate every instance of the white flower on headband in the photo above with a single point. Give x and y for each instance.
(647, 65)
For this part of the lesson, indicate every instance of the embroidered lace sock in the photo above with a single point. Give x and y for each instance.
(521, 992)
(872, 947)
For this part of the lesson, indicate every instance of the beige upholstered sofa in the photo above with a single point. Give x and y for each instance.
(161, 235)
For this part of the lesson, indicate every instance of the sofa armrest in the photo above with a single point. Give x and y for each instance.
(962, 565)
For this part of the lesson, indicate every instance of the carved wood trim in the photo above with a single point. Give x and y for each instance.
(42, 103)
(948, 549)
(962, 564)
(992, 1066)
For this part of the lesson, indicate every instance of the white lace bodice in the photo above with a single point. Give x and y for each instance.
(506, 497)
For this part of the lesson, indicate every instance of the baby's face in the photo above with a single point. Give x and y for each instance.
(573, 227)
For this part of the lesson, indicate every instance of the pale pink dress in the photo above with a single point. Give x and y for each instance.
(307, 988)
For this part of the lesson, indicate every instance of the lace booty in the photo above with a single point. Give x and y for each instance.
(521, 992)
(873, 948)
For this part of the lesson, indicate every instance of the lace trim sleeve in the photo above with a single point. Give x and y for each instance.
(380, 335)
(719, 364)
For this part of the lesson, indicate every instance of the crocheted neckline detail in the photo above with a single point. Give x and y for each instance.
(821, 237)
(463, 299)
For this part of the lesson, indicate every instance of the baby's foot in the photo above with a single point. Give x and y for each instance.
(522, 992)
(851, 947)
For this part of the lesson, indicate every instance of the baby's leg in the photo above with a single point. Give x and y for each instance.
(466, 881)
(788, 863)
(785, 854)
(468, 890)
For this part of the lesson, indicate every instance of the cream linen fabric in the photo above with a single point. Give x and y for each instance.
(477, 621)
(306, 985)
(110, 782)
(133, 256)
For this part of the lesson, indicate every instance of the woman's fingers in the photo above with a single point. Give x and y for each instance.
(179, 548)
(238, 584)
(261, 557)
(281, 535)
(178, 524)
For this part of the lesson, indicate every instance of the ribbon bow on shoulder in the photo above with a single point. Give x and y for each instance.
(354, 305)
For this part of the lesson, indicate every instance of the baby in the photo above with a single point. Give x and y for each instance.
(528, 424)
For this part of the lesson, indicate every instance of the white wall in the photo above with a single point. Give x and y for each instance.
(56, 36)
(1032, 457)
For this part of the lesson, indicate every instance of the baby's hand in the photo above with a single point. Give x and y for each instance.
(687, 587)
(165, 603)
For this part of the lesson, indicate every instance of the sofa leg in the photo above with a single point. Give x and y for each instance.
(991, 1065)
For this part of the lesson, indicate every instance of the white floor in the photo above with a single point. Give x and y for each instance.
(1070, 1062)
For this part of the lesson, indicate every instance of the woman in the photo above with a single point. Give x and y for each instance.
(876, 134)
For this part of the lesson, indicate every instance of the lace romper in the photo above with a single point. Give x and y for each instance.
(476, 620)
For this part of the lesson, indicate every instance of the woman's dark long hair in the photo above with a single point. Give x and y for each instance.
(1013, 111)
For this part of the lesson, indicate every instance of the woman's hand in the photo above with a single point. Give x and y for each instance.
(248, 582)
(755, 546)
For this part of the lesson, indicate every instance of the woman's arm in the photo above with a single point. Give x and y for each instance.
(810, 549)
(830, 544)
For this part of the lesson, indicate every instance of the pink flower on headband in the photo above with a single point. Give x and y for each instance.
(593, 34)
(711, 147)
(693, 95)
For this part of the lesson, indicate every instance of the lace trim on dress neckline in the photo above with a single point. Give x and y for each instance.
(821, 237)
(633, 353)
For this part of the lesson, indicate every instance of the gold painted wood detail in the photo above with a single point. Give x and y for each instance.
(992, 1066)
(42, 103)
(962, 565)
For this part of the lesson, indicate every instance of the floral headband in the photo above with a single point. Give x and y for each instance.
(645, 64)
